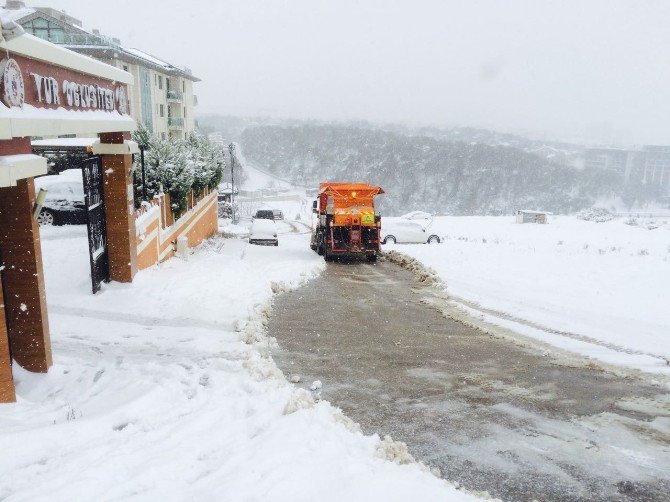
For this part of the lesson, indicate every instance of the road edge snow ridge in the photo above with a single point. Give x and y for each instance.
(423, 274)
(472, 315)
(253, 331)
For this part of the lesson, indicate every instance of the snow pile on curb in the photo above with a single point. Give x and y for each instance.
(423, 273)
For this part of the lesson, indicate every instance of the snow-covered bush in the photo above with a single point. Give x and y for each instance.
(597, 214)
(178, 166)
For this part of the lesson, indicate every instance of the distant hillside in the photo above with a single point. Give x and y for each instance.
(424, 172)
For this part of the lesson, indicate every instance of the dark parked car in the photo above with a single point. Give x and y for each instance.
(64, 204)
(264, 214)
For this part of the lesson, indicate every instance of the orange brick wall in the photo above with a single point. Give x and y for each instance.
(202, 220)
(148, 255)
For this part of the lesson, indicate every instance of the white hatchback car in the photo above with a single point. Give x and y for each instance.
(263, 231)
(403, 231)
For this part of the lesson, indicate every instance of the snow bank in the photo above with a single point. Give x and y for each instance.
(154, 395)
(595, 288)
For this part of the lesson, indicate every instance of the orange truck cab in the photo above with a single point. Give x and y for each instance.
(347, 224)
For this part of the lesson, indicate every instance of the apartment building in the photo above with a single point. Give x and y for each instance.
(649, 164)
(162, 97)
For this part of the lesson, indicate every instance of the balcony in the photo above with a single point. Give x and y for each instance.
(175, 122)
(175, 96)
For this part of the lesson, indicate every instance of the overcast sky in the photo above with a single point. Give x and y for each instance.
(596, 69)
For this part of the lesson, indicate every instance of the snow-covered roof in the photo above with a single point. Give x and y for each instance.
(65, 142)
(149, 57)
(36, 48)
(15, 14)
(533, 211)
(102, 44)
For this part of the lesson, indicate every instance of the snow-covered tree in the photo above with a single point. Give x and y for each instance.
(167, 166)
(178, 166)
(206, 160)
(142, 136)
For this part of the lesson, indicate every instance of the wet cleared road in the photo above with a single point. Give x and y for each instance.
(492, 415)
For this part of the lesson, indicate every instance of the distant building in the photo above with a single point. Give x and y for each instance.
(162, 96)
(527, 216)
(649, 164)
(611, 159)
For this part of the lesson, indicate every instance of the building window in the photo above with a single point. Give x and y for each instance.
(183, 86)
(162, 135)
(125, 67)
(162, 110)
(160, 81)
(184, 112)
(45, 30)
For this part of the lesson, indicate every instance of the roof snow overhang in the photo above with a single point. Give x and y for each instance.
(17, 167)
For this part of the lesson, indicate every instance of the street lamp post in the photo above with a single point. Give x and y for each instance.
(231, 149)
(144, 174)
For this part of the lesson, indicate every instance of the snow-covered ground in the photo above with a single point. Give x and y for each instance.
(258, 179)
(154, 393)
(599, 289)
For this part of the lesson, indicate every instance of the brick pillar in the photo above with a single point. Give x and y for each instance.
(119, 210)
(7, 394)
(23, 277)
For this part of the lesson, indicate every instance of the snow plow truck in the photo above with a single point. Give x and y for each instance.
(347, 224)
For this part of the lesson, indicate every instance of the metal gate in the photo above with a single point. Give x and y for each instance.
(94, 201)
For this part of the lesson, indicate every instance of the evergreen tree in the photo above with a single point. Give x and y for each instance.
(178, 166)
(167, 166)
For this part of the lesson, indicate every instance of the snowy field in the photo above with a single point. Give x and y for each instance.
(164, 390)
(599, 289)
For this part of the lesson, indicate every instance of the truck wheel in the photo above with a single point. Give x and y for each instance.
(433, 239)
(371, 258)
(327, 255)
(389, 239)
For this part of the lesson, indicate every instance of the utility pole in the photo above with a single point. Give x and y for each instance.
(231, 149)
